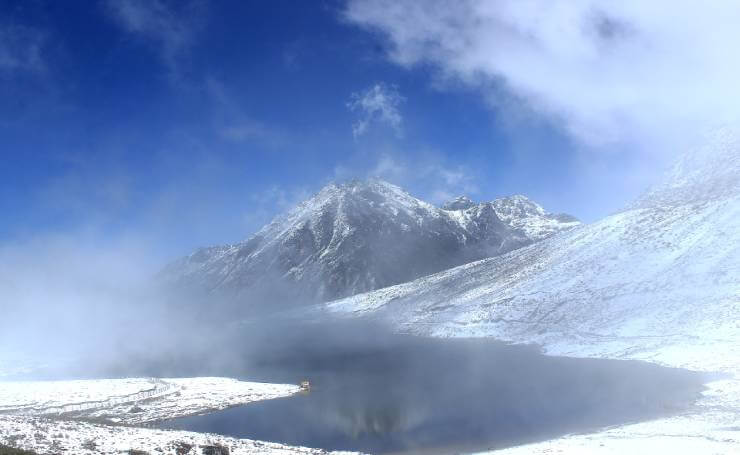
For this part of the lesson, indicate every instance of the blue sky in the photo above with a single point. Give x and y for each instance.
(191, 123)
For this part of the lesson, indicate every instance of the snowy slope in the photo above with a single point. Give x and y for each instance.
(642, 272)
(363, 235)
(659, 281)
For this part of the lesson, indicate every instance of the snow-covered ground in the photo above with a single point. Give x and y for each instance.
(133, 401)
(54, 416)
(64, 436)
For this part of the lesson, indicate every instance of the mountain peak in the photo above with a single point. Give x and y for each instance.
(459, 203)
(362, 187)
(355, 184)
(360, 235)
(519, 205)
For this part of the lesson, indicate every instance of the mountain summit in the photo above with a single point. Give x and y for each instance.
(459, 203)
(360, 236)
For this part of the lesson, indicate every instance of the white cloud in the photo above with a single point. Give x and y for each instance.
(630, 71)
(377, 104)
(21, 49)
(170, 29)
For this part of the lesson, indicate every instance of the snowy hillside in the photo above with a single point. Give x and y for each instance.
(360, 236)
(668, 267)
(644, 272)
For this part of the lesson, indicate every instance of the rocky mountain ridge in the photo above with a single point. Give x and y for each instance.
(360, 236)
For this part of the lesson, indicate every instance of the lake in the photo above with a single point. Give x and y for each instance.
(384, 393)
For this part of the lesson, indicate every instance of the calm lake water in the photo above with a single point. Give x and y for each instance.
(405, 394)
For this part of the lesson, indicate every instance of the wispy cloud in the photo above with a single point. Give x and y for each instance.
(377, 104)
(21, 49)
(429, 175)
(272, 201)
(233, 124)
(389, 168)
(169, 27)
(605, 71)
(243, 130)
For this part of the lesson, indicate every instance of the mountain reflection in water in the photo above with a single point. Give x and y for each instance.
(408, 394)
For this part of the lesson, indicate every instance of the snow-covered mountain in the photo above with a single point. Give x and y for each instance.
(665, 270)
(363, 235)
